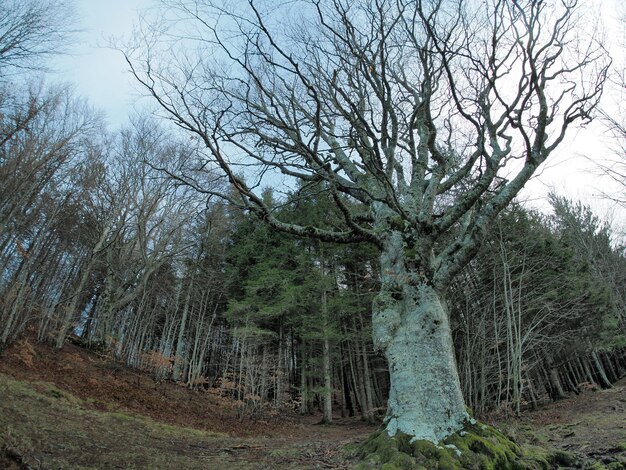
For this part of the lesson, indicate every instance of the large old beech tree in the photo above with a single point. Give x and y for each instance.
(420, 119)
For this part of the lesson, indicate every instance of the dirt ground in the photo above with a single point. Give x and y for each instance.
(74, 409)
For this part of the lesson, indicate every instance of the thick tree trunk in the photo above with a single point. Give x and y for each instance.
(411, 326)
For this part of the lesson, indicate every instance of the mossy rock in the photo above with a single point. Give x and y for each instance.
(476, 447)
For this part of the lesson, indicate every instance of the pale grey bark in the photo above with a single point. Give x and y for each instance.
(411, 326)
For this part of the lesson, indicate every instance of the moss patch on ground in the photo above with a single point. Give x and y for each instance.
(476, 447)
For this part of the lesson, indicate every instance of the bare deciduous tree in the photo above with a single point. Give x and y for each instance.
(421, 119)
(614, 166)
(30, 31)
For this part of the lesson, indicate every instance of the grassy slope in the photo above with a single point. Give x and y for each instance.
(46, 425)
(73, 409)
(49, 428)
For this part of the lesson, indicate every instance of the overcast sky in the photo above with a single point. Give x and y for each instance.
(100, 74)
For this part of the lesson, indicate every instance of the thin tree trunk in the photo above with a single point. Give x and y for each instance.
(604, 380)
(359, 381)
(327, 415)
(588, 374)
(610, 369)
(532, 396)
(179, 357)
(367, 377)
(555, 381)
(69, 312)
(304, 392)
(356, 383)
(342, 381)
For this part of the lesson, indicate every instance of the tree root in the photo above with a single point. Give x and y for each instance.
(478, 447)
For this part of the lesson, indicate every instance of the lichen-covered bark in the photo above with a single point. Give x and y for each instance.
(411, 327)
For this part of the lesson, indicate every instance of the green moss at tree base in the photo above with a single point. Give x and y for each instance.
(479, 447)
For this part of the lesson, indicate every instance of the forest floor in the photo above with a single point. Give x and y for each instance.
(75, 409)
(591, 425)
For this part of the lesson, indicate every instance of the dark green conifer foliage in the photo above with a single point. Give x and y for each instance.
(594, 250)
